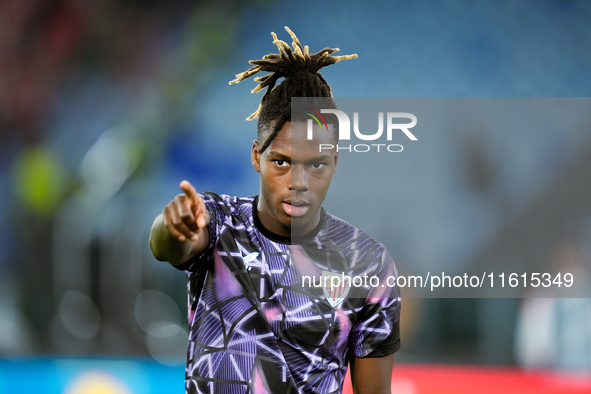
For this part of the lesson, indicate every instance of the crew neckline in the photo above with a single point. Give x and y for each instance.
(281, 238)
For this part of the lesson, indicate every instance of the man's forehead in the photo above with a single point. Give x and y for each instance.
(294, 138)
(304, 131)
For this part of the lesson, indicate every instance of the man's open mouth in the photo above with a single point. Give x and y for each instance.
(295, 208)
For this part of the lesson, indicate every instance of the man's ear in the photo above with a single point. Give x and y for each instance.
(336, 161)
(255, 156)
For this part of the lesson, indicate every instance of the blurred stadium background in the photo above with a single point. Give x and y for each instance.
(105, 106)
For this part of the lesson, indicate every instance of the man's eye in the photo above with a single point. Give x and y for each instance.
(318, 166)
(281, 163)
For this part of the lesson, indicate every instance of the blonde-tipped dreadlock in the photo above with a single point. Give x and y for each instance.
(302, 79)
(287, 62)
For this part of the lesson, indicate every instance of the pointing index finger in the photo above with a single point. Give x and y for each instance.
(197, 204)
(190, 191)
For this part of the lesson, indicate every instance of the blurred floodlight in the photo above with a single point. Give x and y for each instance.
(160, 318)
(79, 315)
(96, 382)
(105, 167)
(156, 312)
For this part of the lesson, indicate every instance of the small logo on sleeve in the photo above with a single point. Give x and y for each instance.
(249, 258)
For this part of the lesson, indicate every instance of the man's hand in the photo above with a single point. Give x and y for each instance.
(186, 216)
(179, 232)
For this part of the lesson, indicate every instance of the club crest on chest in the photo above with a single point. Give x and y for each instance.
(335, 286)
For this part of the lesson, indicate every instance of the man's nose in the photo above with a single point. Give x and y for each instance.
(299, 178)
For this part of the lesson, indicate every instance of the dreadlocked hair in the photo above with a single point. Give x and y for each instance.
(301, 79)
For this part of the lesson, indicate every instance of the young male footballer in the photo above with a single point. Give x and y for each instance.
(256, 326)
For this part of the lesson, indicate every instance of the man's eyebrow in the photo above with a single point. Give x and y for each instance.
(321, 158)
(279, 156)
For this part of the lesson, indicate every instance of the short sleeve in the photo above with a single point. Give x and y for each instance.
(376, 333)
(218, 210)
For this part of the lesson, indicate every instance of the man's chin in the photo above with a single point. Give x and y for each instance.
(300, 225)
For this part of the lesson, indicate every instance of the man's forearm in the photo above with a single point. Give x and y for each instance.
(165, 247)
(372, 375)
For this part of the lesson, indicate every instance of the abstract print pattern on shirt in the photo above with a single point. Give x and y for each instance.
(254, 327)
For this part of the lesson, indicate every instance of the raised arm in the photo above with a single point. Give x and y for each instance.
(179, 232)
(372, 375)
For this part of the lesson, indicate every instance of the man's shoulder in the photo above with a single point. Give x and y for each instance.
(228, 199)
(227, 202)
(342, 232)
